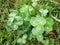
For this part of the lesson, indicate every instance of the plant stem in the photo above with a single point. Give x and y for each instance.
(55, 18)
(54, 2)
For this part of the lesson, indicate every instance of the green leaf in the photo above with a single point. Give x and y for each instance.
(22, 40)
(26, 9)
(11, 18)
(50, 21)
(34, 4)
(37, 31)
(43, 12)
(35, 21)
(40, 38)
(14, 27)
(19, 40)
(49, 25)
(30, 37)
(24, 36)
(18, 20)
(51, 42)
(46, 42)
(19, 23)
(48, 29)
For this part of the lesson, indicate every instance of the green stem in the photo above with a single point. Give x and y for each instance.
(58, 20)
(54, 2)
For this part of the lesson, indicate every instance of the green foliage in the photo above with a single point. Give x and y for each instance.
(22, 40)
(14, 20)
(43, 12)
(29, 22)
(35, 21)
(49, 24)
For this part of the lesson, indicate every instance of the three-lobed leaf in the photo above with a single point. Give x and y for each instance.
(35, 21)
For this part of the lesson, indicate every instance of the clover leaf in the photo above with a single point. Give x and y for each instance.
(35, 21)
(48, 29)
(43, 12)
(37, 31)
(11, 17)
